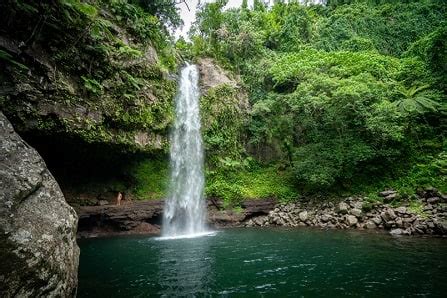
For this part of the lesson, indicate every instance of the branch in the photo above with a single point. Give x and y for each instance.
(184, 2)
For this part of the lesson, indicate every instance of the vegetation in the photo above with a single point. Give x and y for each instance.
(102, 66)
(347, 97)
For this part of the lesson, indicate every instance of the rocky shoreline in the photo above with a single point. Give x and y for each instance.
(426, 214)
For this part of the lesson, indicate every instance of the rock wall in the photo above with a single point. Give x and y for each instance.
(95, 80)
(224, 109)
(38, 250)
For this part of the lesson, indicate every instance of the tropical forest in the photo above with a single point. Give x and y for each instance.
(223, 148)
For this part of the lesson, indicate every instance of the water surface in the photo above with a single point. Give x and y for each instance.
(265, 262)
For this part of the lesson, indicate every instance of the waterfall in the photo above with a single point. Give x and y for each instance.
(185, 211)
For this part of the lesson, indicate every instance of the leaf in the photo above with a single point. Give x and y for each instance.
(7, 57)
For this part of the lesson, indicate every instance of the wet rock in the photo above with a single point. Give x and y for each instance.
(370, 225)
(125, 219)
(263, 207)
(396, 232)
(39, 254)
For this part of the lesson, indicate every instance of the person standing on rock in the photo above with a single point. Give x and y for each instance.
(119, 197)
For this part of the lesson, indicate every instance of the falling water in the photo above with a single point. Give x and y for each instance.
(185, 212)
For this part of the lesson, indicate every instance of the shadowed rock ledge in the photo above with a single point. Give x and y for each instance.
(38, 251)
(145, 217)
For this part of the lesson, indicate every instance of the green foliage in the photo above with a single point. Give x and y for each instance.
(80, 7)
(5, 56)
(92, 85)
(224, 118)
(418, 100)
(432, 49)
(150, 178)
(342, 96)
(391, 28)
(165, 10)
(234, 186)
(417, 207)
(109, 57)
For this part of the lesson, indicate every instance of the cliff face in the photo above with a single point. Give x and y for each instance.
(225, 112)
(38, 249)
(90, 71)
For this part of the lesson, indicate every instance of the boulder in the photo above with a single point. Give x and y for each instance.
(342, 208)
(351, 220)
(303, 216)
(401, 210)
(396, 232)
(388, 215)
(39, 255)
(356, 205)
(387, 193)
(370, 225)
(433, 200)
(356, 212)
(212, 75)
(390, 197)
(377, 220)
(325, 218)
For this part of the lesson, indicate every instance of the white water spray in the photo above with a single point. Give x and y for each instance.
(185, 212)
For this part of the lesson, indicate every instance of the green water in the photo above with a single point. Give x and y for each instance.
(265, 262)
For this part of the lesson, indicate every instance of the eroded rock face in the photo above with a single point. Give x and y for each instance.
(38, 250)
(212, 75)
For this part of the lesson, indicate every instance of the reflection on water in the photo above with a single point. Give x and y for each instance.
(267, 262)
(184, 266)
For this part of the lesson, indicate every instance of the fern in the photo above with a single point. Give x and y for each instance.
(7, 57)
(417, 99)
(92, 85)
(82, 8)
